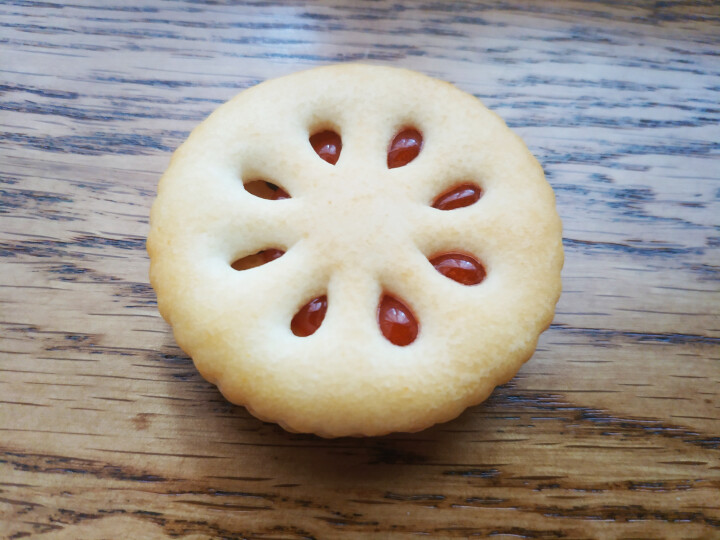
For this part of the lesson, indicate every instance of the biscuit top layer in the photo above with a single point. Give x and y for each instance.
(354, 231)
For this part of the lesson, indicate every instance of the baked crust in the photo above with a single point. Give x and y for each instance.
(353, 231)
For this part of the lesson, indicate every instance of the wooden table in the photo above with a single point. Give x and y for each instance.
(611, 430)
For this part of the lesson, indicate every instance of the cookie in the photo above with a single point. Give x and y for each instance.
(355, 250)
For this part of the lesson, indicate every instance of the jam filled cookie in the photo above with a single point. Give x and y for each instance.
(355, 250)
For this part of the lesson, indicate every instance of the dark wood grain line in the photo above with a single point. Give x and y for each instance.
(608, 334)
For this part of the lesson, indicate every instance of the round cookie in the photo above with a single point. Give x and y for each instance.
(355, 232)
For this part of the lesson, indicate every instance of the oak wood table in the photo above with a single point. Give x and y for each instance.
(612, 430)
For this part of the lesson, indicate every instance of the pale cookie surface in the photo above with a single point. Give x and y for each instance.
(354, 231)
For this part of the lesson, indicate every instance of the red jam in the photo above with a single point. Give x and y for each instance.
(310, 317)
(397, 323)
(404, 148)
(257, 259)
(266, 190)
(328, 145)
(461, 268)
(462, 195)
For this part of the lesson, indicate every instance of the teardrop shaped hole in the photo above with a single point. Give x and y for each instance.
(460, 196)
(266, 190)
(328, 145)
(309, 318)
(257, 259)
(460, 267)
(397, 322)
(404, 148)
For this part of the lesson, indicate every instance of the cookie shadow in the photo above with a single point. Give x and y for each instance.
(205, 423)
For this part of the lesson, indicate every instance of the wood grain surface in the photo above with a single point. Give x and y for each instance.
(612, 430)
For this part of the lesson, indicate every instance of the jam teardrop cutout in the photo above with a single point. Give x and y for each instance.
(397, 322)
(404, 148)
(459, 267)
(266, 190)
(257, 259)
(310, 317)
(458, 197)
(328, 145)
